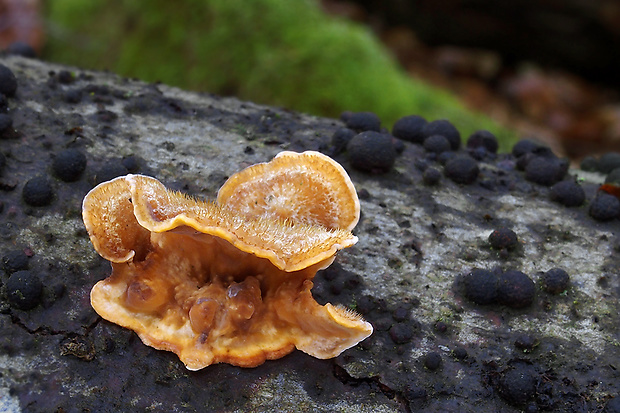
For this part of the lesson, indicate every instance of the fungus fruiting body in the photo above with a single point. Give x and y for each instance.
(228, 281)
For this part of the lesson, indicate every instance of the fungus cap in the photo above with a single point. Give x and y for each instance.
(306, 187)
(214, 285)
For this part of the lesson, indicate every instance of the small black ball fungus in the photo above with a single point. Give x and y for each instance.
(460, 353)
(38, 191)
(503, 238)
(110, 170)
(604, 207)
(484, 139)
(608, 162)
(8, 81)
(613, 177)
(372, 152)
(437, 144)
(132, 165)
(2, 164)
(555, 281)
(363, 121)
(401, 313)
(24, 290)
(545, 171)
(524, 146)
(445, 128)
(589, 163)
(65, 77)
(568, 193)
(515, 289)
(340, 139)
(14, 261)
(481, 286)
(73, 96)
(431, 176)
(444, 157)
(518, 384)
(409, 128)
(401, 333)
(432, 360)
(69, 165)
(19, 48)
(462, 169)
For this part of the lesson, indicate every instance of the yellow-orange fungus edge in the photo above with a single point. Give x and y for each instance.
(212, 286)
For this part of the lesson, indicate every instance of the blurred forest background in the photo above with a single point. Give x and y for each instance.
(519, 68)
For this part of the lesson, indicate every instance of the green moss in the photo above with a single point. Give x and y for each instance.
(285, 53)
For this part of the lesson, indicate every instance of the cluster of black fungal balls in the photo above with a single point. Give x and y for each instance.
(373, 149)
(511, 288)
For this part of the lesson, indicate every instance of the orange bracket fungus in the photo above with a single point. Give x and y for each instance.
(228, 281)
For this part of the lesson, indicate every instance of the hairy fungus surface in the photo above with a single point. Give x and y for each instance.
(228, 281)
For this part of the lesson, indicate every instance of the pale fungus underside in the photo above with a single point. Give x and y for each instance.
(228, 281)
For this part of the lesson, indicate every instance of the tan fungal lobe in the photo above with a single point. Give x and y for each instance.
(226, 281)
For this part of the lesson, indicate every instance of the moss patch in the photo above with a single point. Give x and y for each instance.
(269, 51)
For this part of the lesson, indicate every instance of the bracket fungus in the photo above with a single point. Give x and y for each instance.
(228, 281)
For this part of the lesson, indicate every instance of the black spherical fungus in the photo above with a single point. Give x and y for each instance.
(24, 290)
(445, 128)
(65, 77)
(363, 121)
(462, 169)
(555, 281)
(131, 163)
(481, 286)
(518, 384)
(444, 157)
(432, 360)
(73, 96)
(459, 353)
(484, 139)
(523, 147)
(38, 191)
(409, 128)
(340, 139)
(608, 162)
(437, 144)
(20, 48)
(2, 163)
(14, 261)
(110, 170)
(604, 207)
(503, 238)
(401, 333)
(431, 176)
(546, 170)
(568, 193)
(613, 177)
(371, 152)
(8, 81)
(589, 163)
(69, 164)
(401, 313)
(515, 289)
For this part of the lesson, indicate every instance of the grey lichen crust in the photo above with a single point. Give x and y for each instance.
(415, 243)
